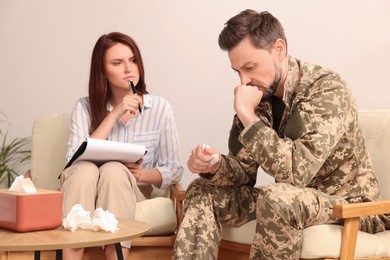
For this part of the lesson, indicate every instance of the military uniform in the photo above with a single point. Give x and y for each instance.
(317, 156)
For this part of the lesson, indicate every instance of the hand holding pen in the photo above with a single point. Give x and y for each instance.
(135, 93)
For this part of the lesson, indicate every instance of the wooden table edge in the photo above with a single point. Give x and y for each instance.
(109, 238)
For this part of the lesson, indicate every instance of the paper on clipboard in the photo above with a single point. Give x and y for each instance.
(99, 151)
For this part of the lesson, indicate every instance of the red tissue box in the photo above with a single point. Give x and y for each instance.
(30, 211)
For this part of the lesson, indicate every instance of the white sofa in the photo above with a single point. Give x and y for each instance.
(323, 241)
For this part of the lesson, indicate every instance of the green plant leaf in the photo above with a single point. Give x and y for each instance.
(12, 154)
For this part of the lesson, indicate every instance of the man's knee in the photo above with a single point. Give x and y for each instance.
(279, 193)
(198, 193)
(294, 206)
(276, 200)
(198, 187)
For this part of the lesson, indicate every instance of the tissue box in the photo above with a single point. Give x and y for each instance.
(30, 211)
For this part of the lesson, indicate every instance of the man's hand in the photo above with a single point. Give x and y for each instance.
(200, 158)
(246, 99)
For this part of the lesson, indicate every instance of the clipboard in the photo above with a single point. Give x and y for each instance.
(100, 151)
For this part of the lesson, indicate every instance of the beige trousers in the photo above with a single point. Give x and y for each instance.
(111, 187)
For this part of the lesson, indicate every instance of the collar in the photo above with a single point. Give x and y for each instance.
(292, 79)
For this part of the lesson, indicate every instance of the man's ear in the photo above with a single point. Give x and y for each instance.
(280, 47)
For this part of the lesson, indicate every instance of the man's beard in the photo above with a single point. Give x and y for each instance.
(274, 86)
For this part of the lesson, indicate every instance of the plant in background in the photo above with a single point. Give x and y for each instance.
(12, 154)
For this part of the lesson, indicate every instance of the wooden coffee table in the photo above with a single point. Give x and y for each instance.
(58, 239)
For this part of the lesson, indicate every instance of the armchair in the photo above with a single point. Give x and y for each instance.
(334, 241)
(49, 144)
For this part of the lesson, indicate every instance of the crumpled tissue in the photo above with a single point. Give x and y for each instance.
(21, 184)
(215, 156)
(78, 217)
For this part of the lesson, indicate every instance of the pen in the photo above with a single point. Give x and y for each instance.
(134, 92)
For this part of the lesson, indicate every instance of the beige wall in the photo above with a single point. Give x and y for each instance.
(45, 48)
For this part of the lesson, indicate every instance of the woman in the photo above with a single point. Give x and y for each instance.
(113, 112)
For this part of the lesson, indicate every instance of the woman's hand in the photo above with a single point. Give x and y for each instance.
(130, 103)
(148, 176)
(136, 169)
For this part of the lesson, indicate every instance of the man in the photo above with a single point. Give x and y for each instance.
(295, 120)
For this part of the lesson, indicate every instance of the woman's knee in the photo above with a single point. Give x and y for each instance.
(81, 172)
(111, 170)
(115, 173)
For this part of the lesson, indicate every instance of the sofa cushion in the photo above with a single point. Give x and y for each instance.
(159, 213)
(48, 148)
(377, 245)
(243, 234)
(375, 126)
(367, 245)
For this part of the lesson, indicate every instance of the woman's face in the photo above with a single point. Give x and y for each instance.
(120, 66)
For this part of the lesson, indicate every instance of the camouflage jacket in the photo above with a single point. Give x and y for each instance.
(318, 144)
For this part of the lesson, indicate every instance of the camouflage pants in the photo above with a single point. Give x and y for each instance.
(281, 210)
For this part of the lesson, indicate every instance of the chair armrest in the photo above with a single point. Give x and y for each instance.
(178, 195)
(351, 214)
(354, 210)
(178, 192)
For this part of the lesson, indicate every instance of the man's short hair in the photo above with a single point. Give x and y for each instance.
(262, 28)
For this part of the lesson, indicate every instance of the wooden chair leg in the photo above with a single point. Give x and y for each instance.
(3, 255)
(348, 240)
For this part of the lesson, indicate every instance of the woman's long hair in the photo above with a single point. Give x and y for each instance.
(99, 90)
